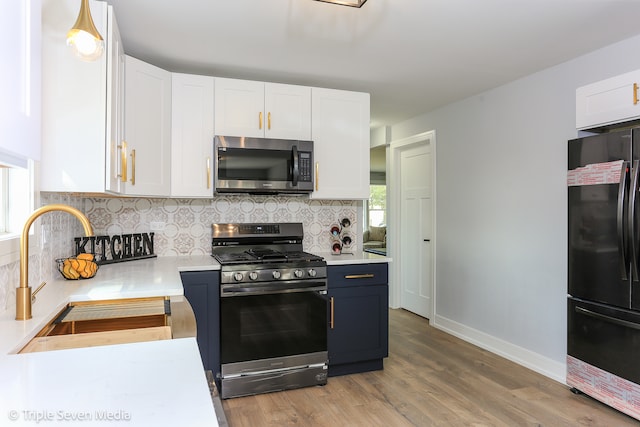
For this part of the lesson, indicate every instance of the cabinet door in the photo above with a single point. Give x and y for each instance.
(202, 290)
(358, 330)
(74, 100)
(288, 111)
(147, 128)
(340, 131)
(191, 136)
(608, 101)
(20, 85)
(239, 108)
(115, 108)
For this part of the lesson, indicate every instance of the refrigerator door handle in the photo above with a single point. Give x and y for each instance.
(633, 235)
(622, 238)
(606, 318)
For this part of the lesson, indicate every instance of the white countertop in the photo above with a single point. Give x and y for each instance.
(132, 279)
(151, 383)
(158, 383)
(358, 257)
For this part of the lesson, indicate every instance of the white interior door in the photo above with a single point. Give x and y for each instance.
(416, 228)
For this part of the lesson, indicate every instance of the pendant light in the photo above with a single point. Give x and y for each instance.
(83, 37)
(352, 3)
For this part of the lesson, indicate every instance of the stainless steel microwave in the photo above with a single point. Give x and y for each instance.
(262, 165)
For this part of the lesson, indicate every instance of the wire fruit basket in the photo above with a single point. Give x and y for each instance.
(81, 266)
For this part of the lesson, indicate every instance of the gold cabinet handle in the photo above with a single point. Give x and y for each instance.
(133, 167)
(635, 93)
(123, 161)
(317, 174)
(269, 120)
(260, 120)
(360, 276)
(331, 322)
(208, 173)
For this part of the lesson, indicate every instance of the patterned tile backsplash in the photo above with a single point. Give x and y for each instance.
(182, 226)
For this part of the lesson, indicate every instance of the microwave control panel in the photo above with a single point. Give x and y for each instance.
(304, 165)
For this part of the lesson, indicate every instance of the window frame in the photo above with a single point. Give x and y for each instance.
(4, 201)
(10, 240)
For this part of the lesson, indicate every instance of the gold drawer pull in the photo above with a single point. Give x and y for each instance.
(208, 173)
(260, 120)
(269, 120)
(635, 93)
(360, 276)
(331, 323)
(317, 174)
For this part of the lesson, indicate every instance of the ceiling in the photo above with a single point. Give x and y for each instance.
(412, 56)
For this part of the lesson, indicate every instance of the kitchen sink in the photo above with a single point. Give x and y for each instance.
(97, 323)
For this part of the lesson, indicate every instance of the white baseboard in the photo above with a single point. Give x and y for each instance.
(527, 358)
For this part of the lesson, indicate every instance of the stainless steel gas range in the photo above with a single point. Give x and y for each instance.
(273, 309)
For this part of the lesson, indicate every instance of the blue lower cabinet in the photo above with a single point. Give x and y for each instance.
(358, 333)
(202, 290)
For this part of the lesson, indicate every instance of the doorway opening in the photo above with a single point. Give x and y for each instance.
(375, 208)
(411, 223)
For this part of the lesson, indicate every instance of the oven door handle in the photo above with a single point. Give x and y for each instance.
(271, 288)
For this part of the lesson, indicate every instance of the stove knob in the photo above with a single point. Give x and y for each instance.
(238, 277)
(298, 273)
(276, 274)
(253, 275)
(312, 272)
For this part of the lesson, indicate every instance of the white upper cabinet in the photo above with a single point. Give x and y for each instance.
(80, 102)
(609, 101)
(239, 106)
(340, 131)
(191, 136)
(147, 128)
(20, 102)
(258, 109)
(115, 181)
(288, 111)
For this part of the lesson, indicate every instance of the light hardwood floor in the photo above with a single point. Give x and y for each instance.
(430, 379)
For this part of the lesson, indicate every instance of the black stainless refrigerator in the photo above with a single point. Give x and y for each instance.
(603, 319)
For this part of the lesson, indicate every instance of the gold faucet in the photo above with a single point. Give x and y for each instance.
(23, 293)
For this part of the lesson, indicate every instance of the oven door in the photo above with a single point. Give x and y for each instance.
(273, 321)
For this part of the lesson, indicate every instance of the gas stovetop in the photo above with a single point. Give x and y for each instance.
(260, 243)
(263, 255)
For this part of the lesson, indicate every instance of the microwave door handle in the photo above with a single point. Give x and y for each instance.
(296, 166)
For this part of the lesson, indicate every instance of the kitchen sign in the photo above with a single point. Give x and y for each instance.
(112, 249)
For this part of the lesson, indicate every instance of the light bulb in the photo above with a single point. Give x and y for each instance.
(85, 46)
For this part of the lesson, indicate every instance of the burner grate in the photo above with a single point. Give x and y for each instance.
(266, 254)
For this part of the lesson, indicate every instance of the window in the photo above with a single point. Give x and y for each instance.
(376, 211)
(4, 201)
(16, 202)
(15, 199)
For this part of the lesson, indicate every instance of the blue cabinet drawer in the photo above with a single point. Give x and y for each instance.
(357, 275)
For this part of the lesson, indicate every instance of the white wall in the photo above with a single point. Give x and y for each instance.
(501, 258)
